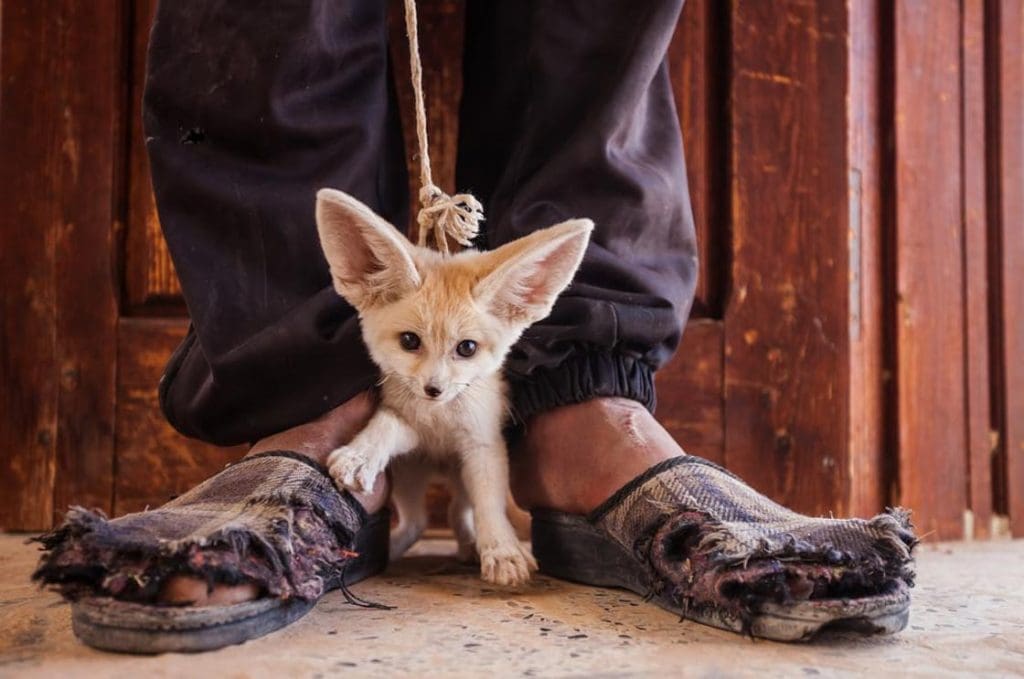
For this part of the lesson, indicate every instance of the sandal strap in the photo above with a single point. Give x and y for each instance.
(622, 493)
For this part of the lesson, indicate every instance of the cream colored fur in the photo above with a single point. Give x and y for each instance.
(487, 297)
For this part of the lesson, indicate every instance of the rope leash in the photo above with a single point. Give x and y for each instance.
(440, 215)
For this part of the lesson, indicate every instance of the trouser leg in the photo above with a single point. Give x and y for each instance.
(567, 111)
(250, 107)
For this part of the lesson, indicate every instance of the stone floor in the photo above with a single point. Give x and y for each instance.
(968, 619)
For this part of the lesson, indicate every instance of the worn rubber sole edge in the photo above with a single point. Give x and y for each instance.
(124, 627)
(569, 547)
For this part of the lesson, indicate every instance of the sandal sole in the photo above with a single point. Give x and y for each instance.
(111, 625)
(570, 548)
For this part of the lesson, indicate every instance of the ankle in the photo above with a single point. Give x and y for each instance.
(317, 438)
(574, 457)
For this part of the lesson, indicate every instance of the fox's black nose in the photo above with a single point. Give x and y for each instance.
(431, 391)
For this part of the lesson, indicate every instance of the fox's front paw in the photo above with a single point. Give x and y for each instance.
(354, 468)
(506, 563)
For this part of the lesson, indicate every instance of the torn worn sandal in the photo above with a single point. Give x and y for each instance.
(275, 520)
(706, 546)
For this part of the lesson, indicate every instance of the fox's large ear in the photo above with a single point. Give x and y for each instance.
(371, 262)
(529, 273)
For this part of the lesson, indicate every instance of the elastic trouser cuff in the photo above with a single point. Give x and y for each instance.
(581, 378)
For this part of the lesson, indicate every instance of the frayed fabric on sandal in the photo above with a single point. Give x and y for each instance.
(704, 544)
(275, 520)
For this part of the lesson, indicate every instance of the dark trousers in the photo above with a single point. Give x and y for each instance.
(251, 106)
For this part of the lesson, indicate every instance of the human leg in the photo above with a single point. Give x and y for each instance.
(576, 100)
(285, 98)
(567, 112)
(249, 109)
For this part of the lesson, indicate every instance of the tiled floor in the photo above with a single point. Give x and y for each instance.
(968, 619)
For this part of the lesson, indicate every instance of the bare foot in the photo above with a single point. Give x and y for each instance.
(574, 457)
(315, 440)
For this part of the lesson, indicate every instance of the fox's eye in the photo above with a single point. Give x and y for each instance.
(466, 348)
(410, 341)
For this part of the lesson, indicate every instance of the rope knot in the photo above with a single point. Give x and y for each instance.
(443, 216)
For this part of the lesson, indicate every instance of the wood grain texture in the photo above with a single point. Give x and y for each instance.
(86, 289)
(977, 420)
(31, 137)
(690, 391)
(154, 462)
(698, 63)
(1009, 167)
(786, 323)
(866, 195)
(931, 403)
(60, 74)
(150, 282)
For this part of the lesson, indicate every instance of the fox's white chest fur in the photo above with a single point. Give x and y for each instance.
(464, 422)
(439, 329)
(468, 424)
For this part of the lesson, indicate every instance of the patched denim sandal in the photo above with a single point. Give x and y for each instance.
(703, 544)
(276, 520)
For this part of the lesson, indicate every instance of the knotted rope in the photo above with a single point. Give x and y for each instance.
(441, 215)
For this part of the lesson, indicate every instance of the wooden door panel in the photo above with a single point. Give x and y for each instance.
(1006, 36)
(869, 468)
(786, 323)
(928, 279)
(978, 416)
(60, 74)
(154, 462)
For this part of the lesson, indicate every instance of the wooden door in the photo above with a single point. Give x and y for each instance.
(857, 188)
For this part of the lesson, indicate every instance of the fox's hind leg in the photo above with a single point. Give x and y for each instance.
(460, 520)
(410, 475)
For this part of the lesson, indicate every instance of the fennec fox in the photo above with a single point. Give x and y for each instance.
(439, 329)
